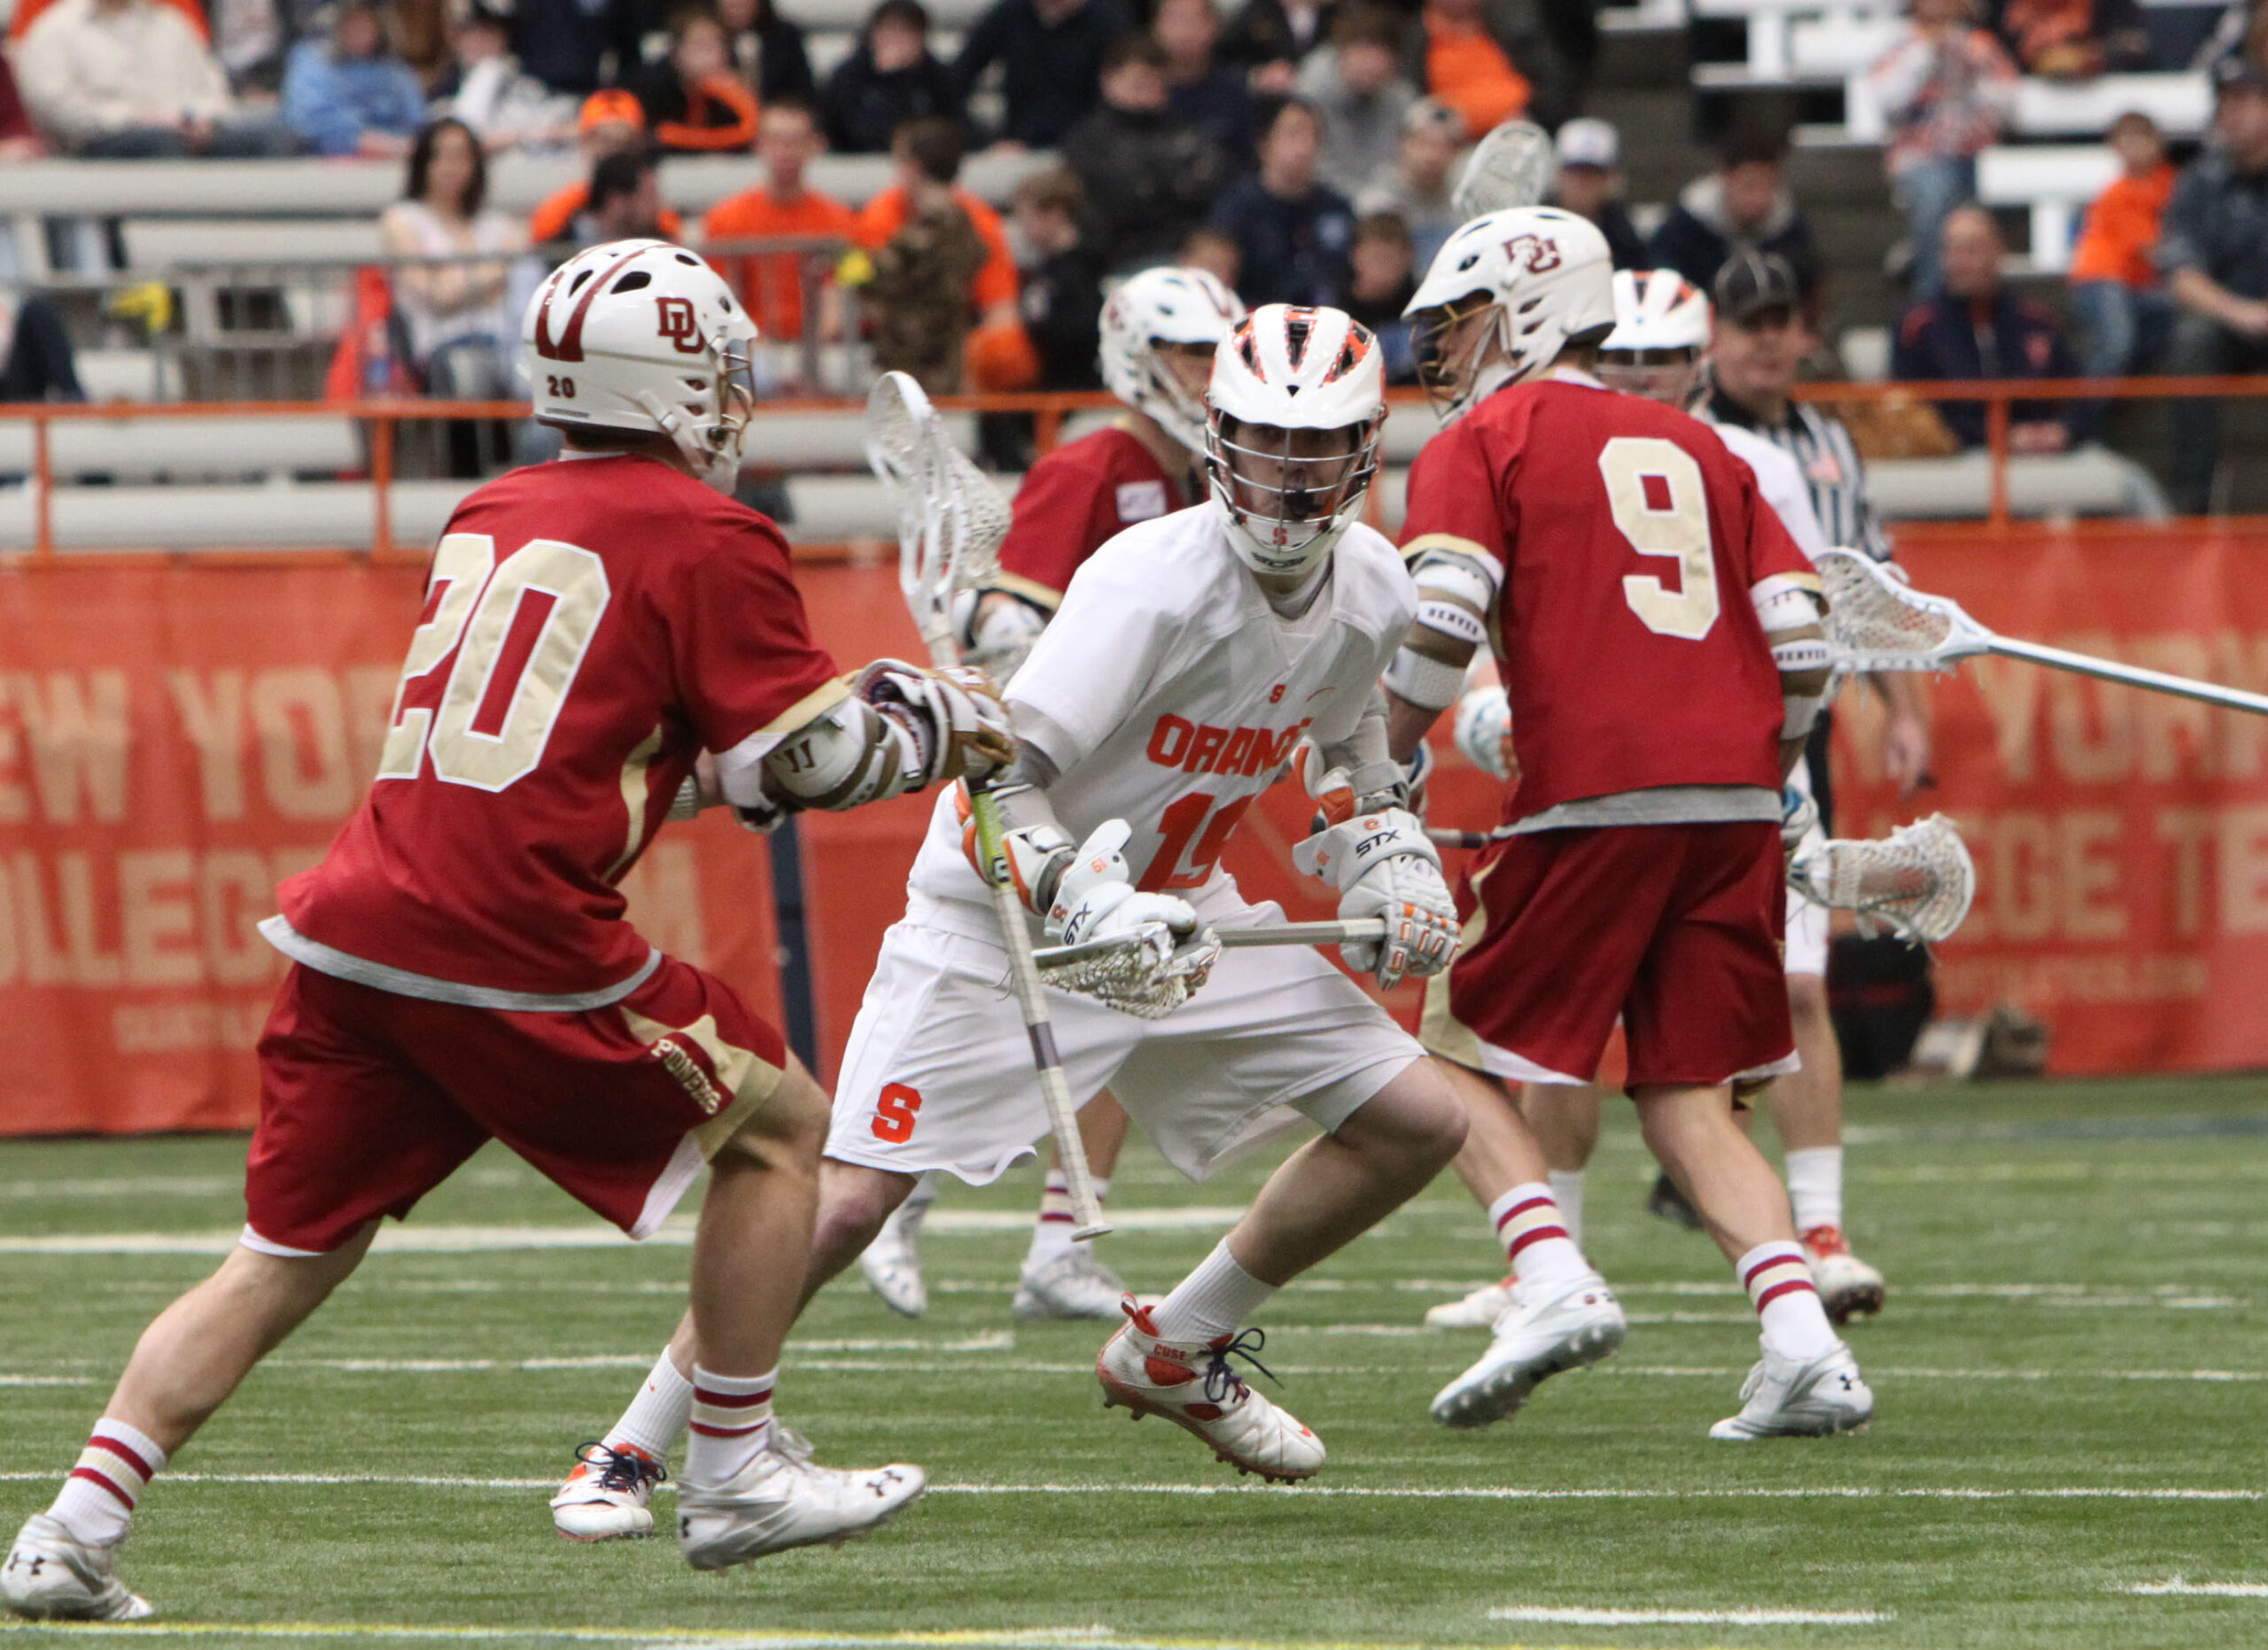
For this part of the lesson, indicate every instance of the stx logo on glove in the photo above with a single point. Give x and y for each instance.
(1201, 748)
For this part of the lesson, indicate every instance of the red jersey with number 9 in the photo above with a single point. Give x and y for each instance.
(1629, 540)
(589, 626)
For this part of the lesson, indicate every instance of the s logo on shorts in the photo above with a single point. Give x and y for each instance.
(894, 1113)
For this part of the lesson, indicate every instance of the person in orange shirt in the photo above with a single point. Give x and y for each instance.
(611, 122)
(694, 101)
(920, 150)
(2116, 291)
(1468, 68)
(771, 284)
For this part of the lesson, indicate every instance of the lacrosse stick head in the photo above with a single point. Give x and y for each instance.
(1918, 883)
(1875, 622)
(950, 520)
(1141, 973)
(900, 447)
(1511, 165)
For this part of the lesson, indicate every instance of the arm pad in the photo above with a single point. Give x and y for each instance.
(1456, 593)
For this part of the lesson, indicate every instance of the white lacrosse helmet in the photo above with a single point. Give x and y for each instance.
(1661, 326)
(1545, 272)
(1164, 306)
(642, 335)
(1288, 496)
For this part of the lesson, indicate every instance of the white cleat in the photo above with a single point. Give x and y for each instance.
(1477, 1311)
(779, 1501)
(1848, 1288)
(1193, 1387)
(1782, 1398)
(52, 1576)
(605, 1498)
(1541, 1334)
(891, 1264)
(1077, 1284)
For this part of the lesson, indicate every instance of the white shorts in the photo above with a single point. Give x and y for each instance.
(1806, 947)
(938, 1073)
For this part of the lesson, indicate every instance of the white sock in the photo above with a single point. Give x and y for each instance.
(1051, 1233)
(1526, 1221)
(96, 1501)
(730, 1426)
(1218, 1298)
(1567, 1192)
(1778, 1280)
(656, 1419)
(1815, 1186)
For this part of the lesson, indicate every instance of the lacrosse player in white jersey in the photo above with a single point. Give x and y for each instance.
(1190, 657)
(1661, 331)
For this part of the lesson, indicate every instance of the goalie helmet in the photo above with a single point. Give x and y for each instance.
(1661, 326)
(1164, 306)
(1544, 273)
(641, 335)
(1297, 400)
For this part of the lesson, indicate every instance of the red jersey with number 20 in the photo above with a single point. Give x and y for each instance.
(1629, 540)
(1075, 500)
(589, 626)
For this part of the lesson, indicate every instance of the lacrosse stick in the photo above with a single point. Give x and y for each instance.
(951, 522)
(1877, 624)
(1917, 883)
(1089, 952)
(1511, 165)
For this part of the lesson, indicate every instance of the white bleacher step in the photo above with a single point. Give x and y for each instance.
(221, 446)
(121, 375)
(2089, 482)
(1865, 353)
(2054, 183)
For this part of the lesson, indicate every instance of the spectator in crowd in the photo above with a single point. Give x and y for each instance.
(576, 46)
(625, 200)
(1294, 232)
(1216, 253)
(1744, 205)
(930, 259)
(1589, 184)
(1946, 88)
(488, 90)
(19, 139)
(129, 80)
(1148, 179)
(2074, 40)
(1976, 328)
(2214, 250)
(2115, 288)
(1384, 280)
(251, 39)
(1470, 65)
(771, 284)
(610, 121)
(1049, 53)
(1202, 93)
(1269, 38)
(890, 78)
(1357, 85)
(351, 94)
(767, 50)
(694, 103)
(35, 360)
(1062, 280)
(2242, 32)
(1415, 185)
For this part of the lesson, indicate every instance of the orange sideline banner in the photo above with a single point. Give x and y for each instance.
(2121, 837)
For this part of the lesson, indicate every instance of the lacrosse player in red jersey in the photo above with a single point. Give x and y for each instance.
(461, 970)
(1658, 635)
(1159, 332)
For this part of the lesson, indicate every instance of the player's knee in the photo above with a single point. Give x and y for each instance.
(785, 1131)
(1418, 1117)
(1807, 998)
(853, 1202)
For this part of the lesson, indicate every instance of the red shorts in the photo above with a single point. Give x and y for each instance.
(368, 1099)
(1676, 929)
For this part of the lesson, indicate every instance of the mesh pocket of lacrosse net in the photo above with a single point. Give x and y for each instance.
(1871, 618)
(1918, 882)
(1138, 973)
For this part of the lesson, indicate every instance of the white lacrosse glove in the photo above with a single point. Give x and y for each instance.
(961, 728)
(1095, 897)
(1332, 789)
(997, 631)
(1798, 817)
(1483, 732)
(1384, 867)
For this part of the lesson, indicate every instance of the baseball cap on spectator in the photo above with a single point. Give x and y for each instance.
(2238, 73)
(1432, 111)
(1587, 141)
(1752, 284)
(613, 107)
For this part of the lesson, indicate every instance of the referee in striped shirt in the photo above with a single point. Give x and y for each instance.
(1759, 341)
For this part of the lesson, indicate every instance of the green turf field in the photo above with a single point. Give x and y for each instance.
(2072, 1380)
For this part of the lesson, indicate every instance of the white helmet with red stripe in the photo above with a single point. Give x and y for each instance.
(642, 335)
(1294, 409)
(1168, 306)
(1506, 293)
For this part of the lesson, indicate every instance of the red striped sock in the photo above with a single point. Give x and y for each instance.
(730, 1426)
(1051, 1233)
(1534, 1237)
(1778, 1280)
(98, 1499)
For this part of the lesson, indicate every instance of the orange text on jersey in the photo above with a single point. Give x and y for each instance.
(1201, 748)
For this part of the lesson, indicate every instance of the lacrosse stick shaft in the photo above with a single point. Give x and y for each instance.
(2133, 675)
(1474, 840)
(1356, 932)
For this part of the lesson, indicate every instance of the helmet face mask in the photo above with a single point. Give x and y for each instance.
(1284, 489)
(1451, 343)
(1667, 376)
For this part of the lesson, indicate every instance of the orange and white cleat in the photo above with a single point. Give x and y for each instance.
(1192, 1386)
(605, 1498)
(1848, 1288)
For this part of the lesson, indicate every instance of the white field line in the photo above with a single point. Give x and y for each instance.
(1575, 1617)
(2056, 1294)
(2174, 1586)
(664, 1638)
(1453, 1492)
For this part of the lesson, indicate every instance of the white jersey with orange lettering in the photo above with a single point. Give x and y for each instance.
(1166, 692)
